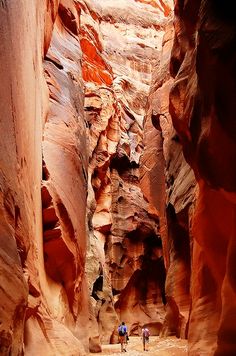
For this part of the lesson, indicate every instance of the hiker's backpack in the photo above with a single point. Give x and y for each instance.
(121, 330)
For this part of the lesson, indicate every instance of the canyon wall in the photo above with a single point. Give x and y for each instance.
(20, 147)
(76, 227)
(168, 183)
(198, 226)
(202, 106)
(121, 44)
(101, 217)
(64, 181)
(42, 254)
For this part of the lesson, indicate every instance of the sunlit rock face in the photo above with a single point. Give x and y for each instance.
(20, 156)
(42, 258)
(65, 162)
(98, 56)
(64, 185)
(202, 105)
(86, 240)
(121, 43)
(169, 186)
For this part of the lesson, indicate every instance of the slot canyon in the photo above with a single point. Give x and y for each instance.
(117, 176)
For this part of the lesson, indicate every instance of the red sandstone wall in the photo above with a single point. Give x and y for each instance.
(44, 291)
(54, 148)
(64, 185)
(120, 47)
(168, 183)
(20, 156)
(202, 104)
(42, 282)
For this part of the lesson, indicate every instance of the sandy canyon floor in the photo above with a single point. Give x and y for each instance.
(163, 347)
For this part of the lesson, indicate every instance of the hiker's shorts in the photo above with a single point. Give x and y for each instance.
(122, 339)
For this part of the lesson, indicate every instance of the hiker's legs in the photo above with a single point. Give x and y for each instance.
(125, 343)
(147, 342)
(122, 339)
(144, 343)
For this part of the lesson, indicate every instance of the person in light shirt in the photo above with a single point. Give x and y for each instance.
(145, 338)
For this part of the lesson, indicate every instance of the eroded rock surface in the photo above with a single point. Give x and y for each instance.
(90, 160)
(105, 52)
(64, 185)
(202, 104)
(42, 282)
(20, 176)
(121, 43)
(169, 186)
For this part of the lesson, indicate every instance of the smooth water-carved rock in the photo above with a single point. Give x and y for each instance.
(168, 181)
(22, 104)
(34, 319)
(96, 244)
(64, 192)
(110, 50)
(124, 43)
(203, 108)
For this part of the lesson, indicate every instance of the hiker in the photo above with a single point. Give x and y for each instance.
(145, 337)
(123, 332)
(126, 338)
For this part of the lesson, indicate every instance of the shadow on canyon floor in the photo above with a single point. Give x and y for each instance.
(170, 346)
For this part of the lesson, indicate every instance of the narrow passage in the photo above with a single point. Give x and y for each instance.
(169, 346)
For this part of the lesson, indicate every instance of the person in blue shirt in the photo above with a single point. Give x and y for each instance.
(123, 333)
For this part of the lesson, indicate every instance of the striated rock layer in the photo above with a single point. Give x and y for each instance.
(202, 105)
(121, 44)
(43, 288)
(64, 184)
(89, 235)
(169, 184)
(78, 235)
(22, 104)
